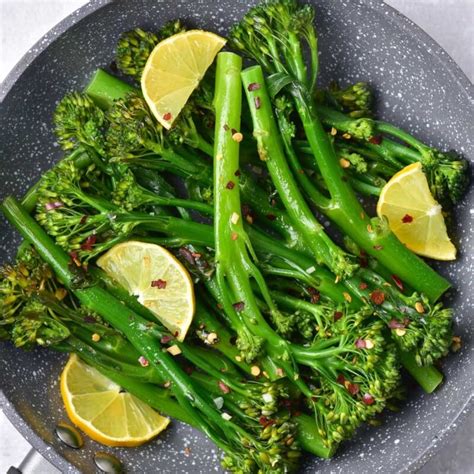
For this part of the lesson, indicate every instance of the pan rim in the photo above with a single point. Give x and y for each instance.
(391, 14)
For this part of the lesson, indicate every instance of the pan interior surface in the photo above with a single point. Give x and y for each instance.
(418, 88)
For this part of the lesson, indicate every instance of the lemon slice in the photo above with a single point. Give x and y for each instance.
(103, 411)
(413, 214)
(175, 68)
(157, 278)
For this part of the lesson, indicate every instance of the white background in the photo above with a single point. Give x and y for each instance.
(23, 22)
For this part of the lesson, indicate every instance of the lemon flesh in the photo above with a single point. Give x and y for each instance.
(174, 69)
(413, 214)
(103, 411)
(157, 278)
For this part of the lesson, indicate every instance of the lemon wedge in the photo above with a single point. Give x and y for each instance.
(174, 69)
(103, 411)
(157, 278)
(413, 214)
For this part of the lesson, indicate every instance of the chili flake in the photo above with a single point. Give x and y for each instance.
(223, 387)
(160, 284)
(341, 379)
(257, 102)
(360, 344)
(239, 306)
(254, 86)
(368, 399)
(234, 236)
(398, 282)
(237, 137)
(337, 315)
(230, 185)
(352, 388)
(88, 244)
(174, 350)
(395, 324)
(166, 339)
(49, 206)
(237, 173)
(143, 362)
(167, 116)
(315, 295)
(363, 285)
(376, 140)
(344, 163)
(406, 219)
(377, 296)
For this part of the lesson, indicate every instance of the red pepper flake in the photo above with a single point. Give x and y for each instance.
(167, 116)
(224, 388)
(353, 388)
(166, 339)
(271, 217)
(378, 247)
(395, 324)
(363, 285)
(84, 219)
(187, 451)
(258, 102)
(406, 219)
(49, 206)
(360, 344)
(239, 306)
(196, 255)
(188, 369)
(254, 86)
(143, 362)
(160, 284)
(368, 399)
(398, 282)
(75, 258)
(315, 295)
(337, 315)
(187, 255)
(363, 259)
(234, 236)
(230, 185)
(88, 244)
(376, 140)
(377, 296)
(237, 173)
(341, 379)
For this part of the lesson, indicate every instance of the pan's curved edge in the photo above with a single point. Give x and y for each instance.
(439, 54)
(51, 36)
(404, 23)
(43, 448)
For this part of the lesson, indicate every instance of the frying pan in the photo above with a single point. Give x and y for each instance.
(419, 88)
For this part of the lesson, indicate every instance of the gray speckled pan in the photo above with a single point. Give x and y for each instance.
(419, 88)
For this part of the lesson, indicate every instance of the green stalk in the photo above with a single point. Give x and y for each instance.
(234, 267)
(373, 236)
(104, 89)
(428, 377)
(271, 151)
(133, 326)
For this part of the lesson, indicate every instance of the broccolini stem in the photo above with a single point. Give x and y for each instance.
(130, 324)
(373, 236)
(104, 88)
(271, 152)
(429, 377)
(234, 267)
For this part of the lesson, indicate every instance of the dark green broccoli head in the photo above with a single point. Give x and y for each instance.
(78, 121)
(135, 46)
(133, 131)
(356, 99)
(447, 174)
